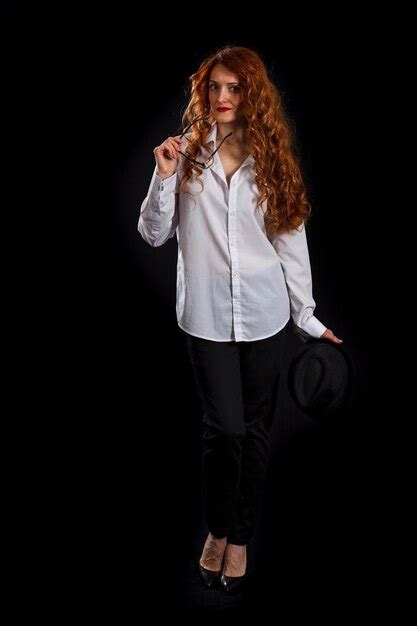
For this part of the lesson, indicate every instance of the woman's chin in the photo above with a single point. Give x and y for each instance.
(225, 117)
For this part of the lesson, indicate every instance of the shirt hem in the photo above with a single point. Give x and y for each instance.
(247, 340)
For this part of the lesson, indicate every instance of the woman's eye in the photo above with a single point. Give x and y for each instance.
(233, 88)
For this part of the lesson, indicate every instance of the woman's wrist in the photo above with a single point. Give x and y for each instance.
(164, 175)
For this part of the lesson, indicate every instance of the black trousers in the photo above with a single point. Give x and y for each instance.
(237, 382)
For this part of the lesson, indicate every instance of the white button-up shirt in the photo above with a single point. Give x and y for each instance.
(234, 282)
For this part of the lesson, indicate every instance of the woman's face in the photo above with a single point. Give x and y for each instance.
(225, 94)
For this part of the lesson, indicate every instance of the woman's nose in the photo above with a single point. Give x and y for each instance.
(223, 94)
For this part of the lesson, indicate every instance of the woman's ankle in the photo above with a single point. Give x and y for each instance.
(213, 551)
(235, 560)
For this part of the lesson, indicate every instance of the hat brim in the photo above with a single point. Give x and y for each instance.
(330, 410)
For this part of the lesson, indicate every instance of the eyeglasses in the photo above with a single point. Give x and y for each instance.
(208, 162)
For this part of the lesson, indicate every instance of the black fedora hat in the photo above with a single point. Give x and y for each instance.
(320, 378)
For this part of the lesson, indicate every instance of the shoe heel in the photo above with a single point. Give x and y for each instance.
(232, 584)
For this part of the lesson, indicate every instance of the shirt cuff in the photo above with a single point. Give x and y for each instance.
(314, 327)
(165, 185)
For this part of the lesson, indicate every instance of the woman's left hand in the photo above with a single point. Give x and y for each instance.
(328, 334)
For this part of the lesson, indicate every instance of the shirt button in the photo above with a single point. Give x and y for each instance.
(232, 212)
(234, 273)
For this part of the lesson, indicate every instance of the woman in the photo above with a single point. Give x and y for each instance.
(231, 188)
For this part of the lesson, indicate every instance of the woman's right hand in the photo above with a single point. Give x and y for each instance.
(166, 156)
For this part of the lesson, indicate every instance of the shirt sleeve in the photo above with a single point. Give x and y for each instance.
(292, 250)
(158, 218)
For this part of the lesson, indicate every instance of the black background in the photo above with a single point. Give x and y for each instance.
(121, 79)
(310, 532)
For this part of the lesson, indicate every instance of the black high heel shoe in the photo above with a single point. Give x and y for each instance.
(208, 576)
(232, 584)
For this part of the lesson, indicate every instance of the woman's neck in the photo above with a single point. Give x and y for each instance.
(237, 130)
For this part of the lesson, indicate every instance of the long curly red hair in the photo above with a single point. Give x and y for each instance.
(269, 136)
